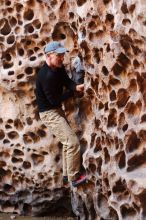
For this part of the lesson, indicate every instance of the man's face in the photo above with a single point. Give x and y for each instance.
(56, 60)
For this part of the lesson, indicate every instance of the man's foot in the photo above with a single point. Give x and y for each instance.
(65, 180)
(79, 181)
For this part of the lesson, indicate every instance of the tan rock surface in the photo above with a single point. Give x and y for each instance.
(110, 38)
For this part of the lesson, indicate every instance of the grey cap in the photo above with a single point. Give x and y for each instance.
(56, 47)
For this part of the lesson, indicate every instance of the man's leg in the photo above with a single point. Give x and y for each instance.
(55, 120)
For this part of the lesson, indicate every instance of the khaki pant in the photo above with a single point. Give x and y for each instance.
(56, 121)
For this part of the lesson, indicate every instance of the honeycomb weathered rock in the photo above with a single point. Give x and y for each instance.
(109, 36)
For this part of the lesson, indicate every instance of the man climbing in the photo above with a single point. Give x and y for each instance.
(50, 82)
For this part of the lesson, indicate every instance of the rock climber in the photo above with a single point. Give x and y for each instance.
(50, 83)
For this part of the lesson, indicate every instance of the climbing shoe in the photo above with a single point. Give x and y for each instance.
(79, 181)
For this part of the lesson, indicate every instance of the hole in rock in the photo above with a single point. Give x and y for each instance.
(114, 81)
(136, 50)
(83, 143)
(92, 25)
(41, 133)
(13, 21)
(53, 3)
(71, 15)
(106, 106)
(121, 159)
(30, 52)
(7, 56)
(101, 105)
(29, 14)
(18, 152)
(92, 167)
(2, 164)
(37, 158)
(29, 70)
(106, 156)
(132, 8)
(20, 63)
(142, 135)
(124, 8)
(29, 121)
(37, 24)
(10, 73)
(136, 63)
(19, 7)
(20, 76)
(143, 118)
(18, 124)
(2, 134)
(11, 39)
(123, 60)
(106, 1)
(57, 158)
(26, 165)
(136, 161)
(33, 136)
(97, 145)
(132, 86)
(74, 26)
(8, 188)
(10, 121)
(27, 139)
(99, 165)
(13, 135)
(112, 118)
(8, 3)
(125, 42)
(113, 95)
(120, 186)
(8, 126)
(81, 2)
(126, 22)
(102, 201)
(127, 211)
(6, 141)
(122, 97)
(93, 135)
(109, 17)
(105, 70)
(125, 127)
(117, 69)
(7, 65)
(6, 29)
(29, 29)
(132, 109)
(17, 160)
(21, 51)
(32, 58)
(133, 142)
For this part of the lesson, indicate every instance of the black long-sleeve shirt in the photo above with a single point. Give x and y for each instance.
(49, 87)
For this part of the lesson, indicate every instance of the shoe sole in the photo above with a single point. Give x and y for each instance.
(79, 183)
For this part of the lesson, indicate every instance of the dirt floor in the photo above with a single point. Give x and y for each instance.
(16, 217)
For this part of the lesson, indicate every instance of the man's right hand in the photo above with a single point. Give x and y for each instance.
(80, 88)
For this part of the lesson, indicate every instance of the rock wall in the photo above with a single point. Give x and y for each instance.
(110, 38)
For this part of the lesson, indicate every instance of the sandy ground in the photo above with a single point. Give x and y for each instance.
(16, 217)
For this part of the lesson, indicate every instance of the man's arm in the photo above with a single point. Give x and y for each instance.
(70, 84)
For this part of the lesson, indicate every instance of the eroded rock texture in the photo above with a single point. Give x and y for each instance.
(109, 36)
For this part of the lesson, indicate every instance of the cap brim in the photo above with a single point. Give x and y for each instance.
(61, 50)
